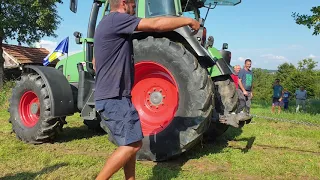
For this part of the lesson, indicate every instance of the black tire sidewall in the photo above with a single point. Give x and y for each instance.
(167, 142)
(28, 133)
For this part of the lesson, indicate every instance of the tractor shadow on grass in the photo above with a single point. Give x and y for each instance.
(172, 168)
(77, 133)
(33, 175)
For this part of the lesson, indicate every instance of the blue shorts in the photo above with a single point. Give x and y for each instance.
(275, 101)
(120, 120)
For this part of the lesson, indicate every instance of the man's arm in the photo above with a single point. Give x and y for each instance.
(163, 24)
(242, 87)
(251, 91)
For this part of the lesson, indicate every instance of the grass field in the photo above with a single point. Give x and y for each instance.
(263, 149)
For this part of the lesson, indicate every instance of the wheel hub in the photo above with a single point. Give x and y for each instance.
(29, 109)
(34, 108)
(156, 98)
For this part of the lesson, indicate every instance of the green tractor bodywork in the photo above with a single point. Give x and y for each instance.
(174, 90)
(219, 66)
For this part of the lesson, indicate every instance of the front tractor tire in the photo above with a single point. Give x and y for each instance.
(29, 109)
(173, 96)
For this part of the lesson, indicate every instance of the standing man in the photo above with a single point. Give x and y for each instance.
(301, 96)
(245, 87)
(277, 95)
(234, 76)
(285, 99)
(114, 66)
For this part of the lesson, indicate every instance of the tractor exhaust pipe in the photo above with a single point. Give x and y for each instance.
(90, 34)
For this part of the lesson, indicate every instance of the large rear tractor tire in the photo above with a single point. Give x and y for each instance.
(173, 95)
(226, 101)
(29, 109)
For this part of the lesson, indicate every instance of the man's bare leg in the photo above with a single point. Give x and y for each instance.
(130, 167)
(272, 109)
(118, 159)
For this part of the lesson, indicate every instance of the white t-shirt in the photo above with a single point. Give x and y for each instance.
(301, 94)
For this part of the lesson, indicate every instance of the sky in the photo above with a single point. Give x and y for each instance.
(263, 31)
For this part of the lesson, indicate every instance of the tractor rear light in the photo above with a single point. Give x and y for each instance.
(204, 36)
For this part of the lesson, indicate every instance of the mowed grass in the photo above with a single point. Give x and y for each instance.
(261, 150)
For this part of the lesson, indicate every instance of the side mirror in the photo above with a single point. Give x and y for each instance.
(210, 42)
(225, 46)
(73, 5)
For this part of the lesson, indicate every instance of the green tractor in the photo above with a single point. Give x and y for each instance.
(174, 91)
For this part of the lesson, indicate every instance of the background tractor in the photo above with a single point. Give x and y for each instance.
(174, 90)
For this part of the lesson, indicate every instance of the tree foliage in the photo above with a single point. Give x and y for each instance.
(291, 77)
(311, 21)
(27, 21)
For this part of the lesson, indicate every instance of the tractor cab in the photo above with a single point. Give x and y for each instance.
(191, 8)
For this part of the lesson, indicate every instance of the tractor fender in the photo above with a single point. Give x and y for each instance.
(192, 40)
(184, 36)
(221, 65)
(59, 89)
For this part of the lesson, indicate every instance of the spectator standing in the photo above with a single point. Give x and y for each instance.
(277, 95)
(285, 99)
(301, 96)
(234, 76)
(245, 87)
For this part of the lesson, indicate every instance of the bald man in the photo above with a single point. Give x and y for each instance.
(113, 63)
(234, 76)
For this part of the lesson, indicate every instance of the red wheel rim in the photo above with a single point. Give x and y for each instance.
(29, 109)
(155, 96)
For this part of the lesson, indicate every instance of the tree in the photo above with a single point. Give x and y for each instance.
(262, 84)
(26, 21)
(309, 20)
(307, 64)
(303, 75)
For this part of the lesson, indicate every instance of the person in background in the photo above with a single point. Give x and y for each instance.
(234, 76)
(301, 96)
(285, 99)
(245, 87)
(277, 95)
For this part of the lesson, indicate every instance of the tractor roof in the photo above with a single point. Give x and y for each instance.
(202, 3)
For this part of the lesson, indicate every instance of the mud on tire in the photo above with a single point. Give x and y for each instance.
(193, 115)
(33, 129)
(226, 101)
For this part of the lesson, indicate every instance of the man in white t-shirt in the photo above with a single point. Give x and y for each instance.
(301, 96)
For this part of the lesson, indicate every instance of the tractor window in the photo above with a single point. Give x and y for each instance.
(160, 8)
(189, 14)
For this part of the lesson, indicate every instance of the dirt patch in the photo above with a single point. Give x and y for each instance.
(235, 145)
(205, 165)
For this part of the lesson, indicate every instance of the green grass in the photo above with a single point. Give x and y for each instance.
(312, 115)
(261, 150)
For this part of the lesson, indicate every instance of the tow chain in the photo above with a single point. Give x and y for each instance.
(287, 120)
